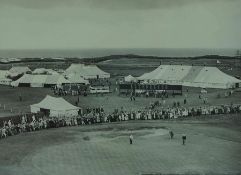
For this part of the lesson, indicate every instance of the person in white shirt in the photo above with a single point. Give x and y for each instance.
(131, 139)
(4, 132)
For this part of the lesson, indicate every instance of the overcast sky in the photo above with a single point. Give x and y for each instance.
(71, 24)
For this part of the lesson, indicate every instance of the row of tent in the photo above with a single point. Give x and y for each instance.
(194, 76)
(42, 77)
(85, 71)
(30, 80)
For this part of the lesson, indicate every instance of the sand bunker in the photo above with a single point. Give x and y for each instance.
(117, 133)
(149, 132)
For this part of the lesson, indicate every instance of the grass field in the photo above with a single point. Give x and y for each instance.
(213, 142)
(10, 98)
(213, 147)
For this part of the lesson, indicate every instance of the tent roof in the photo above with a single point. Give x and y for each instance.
(56, 104)
(190, 76)
(130, 78)
(167, 72)
(26, 78)
(52, 79)
(3, 74)
(43, 79)
(62, 80)
(214, 75)
(19, 69)
(39, 79)
(75, 78)
(44, 71)
(86, 70)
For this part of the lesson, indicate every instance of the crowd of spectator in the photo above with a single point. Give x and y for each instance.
(98, 115)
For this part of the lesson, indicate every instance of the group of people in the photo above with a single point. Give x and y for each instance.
(98, 115)
(78, 89)
(157, 94)
(64, 90)
(171, 133)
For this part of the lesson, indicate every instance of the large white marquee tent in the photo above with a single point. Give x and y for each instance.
(55, 107)
(194, 76)
(86, 71)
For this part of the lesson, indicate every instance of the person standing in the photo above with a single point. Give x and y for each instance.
(4, 132)
(171, 134)
(178, 104)
(163, 102)
(131, 139)
(184, 137)
(20, 97)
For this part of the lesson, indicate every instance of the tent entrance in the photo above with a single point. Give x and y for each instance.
(237, 85)
(46, 112)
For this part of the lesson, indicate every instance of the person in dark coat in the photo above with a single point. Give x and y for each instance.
(20, 98)
(171, 134)
(184, 137)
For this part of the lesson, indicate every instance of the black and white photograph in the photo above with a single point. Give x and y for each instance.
(120, 87)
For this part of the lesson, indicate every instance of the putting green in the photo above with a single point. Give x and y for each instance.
(108, 151)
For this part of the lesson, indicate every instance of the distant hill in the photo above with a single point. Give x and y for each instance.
(104, 58)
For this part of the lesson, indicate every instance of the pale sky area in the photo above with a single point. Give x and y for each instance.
(73, 24)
